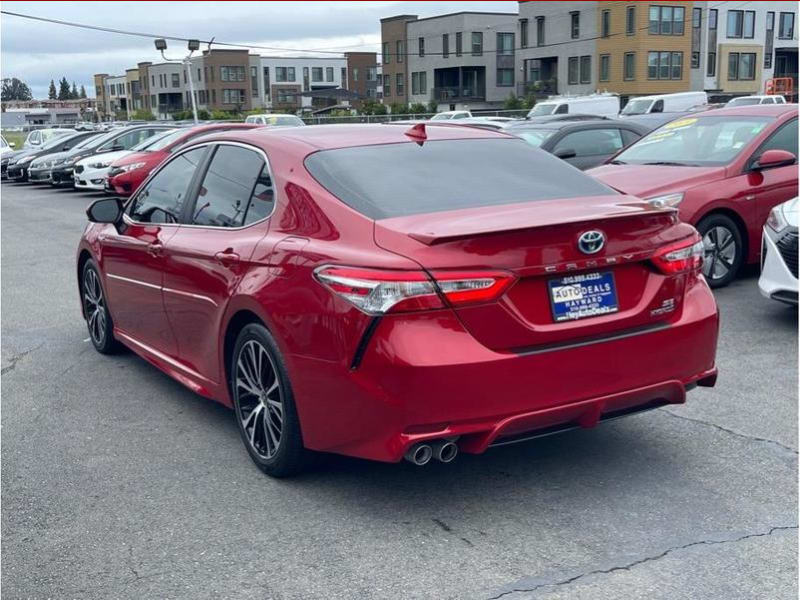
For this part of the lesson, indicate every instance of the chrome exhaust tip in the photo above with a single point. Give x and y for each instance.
(419, 454)
(445, 451)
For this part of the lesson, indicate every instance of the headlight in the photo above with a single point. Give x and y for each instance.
(666, 201)
(27, 159)
(776, 220)
(99, 165)
(131, 167)
(73, 160)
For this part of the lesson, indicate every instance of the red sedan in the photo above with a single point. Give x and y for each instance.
(724, 170)
(127, 174)
(386, 292)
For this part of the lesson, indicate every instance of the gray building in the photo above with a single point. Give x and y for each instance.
(461, 60)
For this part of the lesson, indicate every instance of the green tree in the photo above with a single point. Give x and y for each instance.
(433, 106)
(83, 91)
(512, 102)
(73, 93)
(63, 89)
(417, 109)
(143, 115)
(51, 93)
(398, 108)
(15, 89)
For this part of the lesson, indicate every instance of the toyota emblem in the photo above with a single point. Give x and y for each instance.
(591, 242)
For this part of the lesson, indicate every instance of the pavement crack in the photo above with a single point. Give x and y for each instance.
(443, 525)
(752, 438)
(646, 559)
(14, 360)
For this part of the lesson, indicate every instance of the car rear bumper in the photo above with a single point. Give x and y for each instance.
(777, 281)
(40, 175)
(425, 377)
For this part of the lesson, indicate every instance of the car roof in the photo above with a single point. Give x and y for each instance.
(577, 124)
(753, 110)
(325, 137)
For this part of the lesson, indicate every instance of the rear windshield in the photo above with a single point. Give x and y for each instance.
(541, 110)
(396, 180)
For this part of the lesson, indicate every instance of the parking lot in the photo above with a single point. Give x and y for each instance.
(117, 482)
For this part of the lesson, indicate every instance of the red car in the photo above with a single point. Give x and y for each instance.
(723, 169)
(127, 174)
(386, 292)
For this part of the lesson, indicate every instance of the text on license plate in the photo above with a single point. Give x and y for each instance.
(581, 296)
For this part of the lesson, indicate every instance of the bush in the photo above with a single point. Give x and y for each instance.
(433, 106)
(143, 115)
(203, 115)
(417, 109)
(371, 107)
(512, 102)
(398, 109)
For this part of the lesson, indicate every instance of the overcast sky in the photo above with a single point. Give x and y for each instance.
(37, 52)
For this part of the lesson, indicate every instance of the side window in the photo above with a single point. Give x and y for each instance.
(228, 188)
(262, 198)
(163, 198)
(35, 137)
(591, 142)
(562, 109)
(628, 136)
(783, 139)
(658, 106)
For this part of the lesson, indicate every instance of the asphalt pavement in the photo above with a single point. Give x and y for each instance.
(117, 482)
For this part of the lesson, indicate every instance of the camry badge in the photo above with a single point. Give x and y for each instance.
(591, 242)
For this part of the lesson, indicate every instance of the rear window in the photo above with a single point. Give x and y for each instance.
(396, 180)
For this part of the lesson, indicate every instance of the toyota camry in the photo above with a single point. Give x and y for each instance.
(386, 291)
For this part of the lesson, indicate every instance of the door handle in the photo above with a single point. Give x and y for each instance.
(227, 258)
(155, 249)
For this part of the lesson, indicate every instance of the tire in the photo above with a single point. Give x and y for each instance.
(724, 249)
(264, 405)
(95, 309)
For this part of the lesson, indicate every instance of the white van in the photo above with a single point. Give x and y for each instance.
(602, 105)
(668, 103)
(275, 120)
(750, 100)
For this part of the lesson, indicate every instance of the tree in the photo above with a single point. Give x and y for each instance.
(51, 93)
(83, 91)
(512, 102)
(15, 89)
(63, 89)
(73, 93)
(433, 106)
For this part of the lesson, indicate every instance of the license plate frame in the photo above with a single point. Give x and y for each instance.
(582, 296)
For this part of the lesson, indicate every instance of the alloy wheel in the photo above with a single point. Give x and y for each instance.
(720, 252)
(94, 306)
(259, 397)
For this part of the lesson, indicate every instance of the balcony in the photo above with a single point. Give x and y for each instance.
(459, 94)
(547, 87)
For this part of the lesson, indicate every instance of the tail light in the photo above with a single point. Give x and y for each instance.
(377, 291)
(681, 257)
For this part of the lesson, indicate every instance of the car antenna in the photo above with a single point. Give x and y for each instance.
(417, 133)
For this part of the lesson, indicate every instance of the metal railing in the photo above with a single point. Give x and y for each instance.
(456, 94)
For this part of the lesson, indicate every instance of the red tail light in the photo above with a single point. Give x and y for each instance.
(377, 292)
(680, 257)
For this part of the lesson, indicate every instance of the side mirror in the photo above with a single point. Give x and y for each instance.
(773, 158)
(12, 144)
(117, 147)
(565, 153)
(105, 210)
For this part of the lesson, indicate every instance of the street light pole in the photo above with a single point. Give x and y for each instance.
(161, 45)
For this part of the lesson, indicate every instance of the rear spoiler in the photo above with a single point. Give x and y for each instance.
(436, 228)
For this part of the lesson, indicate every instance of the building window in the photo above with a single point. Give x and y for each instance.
(605, 63)
(316, 73)
(254, 81)
(786, 26)
(711, 69)
(741, 66)
(629, 67)
(355, 74)
(176, 80)
(153, 101)
(540, 31)
(284, 96)
(769, 40)
(414, 83)
(586, 69)
(505, 77)
(477, 43)
(749, 24)
(401, 50)
(153, 80)
(372, 73)
(419, 83)
(231, 73)
(233, 96)
(630, 20)
(329, 74)
(505, 44)
(605, 23)
(572, 70)
(445, 45)
(695, 60)
(344, 76)
(386, 53)
(387, 85)
(741, 23)
(184, 76)
(697, 17)
(458, 43)
(575, 24)
(666, 20)
(523, 33)
(400, 84)
(664, 65)
(421, 43)
(712, 19)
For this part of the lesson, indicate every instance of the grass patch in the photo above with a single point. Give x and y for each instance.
(15, 137)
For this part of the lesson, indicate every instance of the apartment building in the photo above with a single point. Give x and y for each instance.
(362, 74)
(116, 96)
(284, 79)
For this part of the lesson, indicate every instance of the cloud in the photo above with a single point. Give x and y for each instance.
(37, 52)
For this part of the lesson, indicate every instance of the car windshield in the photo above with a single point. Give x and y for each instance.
(636, 107)
(284, 120)
(55, 141)
(100, 139)
(442, 117)
(446, 175)
(695, 141)
(85, 143)
(743, 101)
(535, 137)
(542, 109)
(158, 141)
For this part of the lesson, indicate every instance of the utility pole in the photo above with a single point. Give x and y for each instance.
(161, 45)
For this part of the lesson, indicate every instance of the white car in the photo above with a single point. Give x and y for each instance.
(275, 120)
(778, 279)
(449, 115)
(39, 137)
(750, 100)
(5, 146)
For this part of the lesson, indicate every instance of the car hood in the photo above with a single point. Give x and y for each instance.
(108, 157)
(134, 157)
(790, 212)
(646, 181)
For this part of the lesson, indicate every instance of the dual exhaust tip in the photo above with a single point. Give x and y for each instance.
(442, 450)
